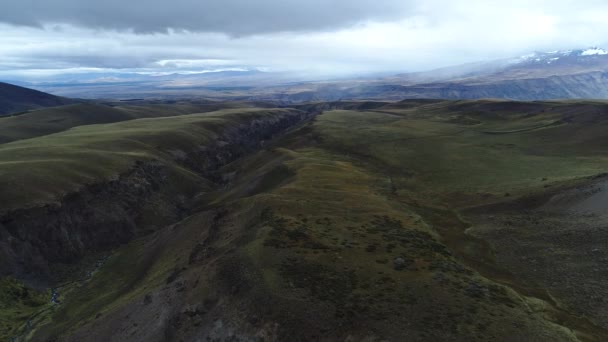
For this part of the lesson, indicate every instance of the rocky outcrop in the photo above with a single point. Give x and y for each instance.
(97, 217)
(107, 214)
(237, 141)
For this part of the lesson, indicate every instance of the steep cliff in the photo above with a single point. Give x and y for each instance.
(150, 194)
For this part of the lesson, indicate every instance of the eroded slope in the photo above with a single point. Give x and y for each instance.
(357, 226)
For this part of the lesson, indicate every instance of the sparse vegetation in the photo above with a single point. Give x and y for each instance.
(355, 224)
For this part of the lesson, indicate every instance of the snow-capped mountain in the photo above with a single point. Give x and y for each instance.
(554, 56)
(530, 66)
(594, 51)
(580, 73)
(577, 73)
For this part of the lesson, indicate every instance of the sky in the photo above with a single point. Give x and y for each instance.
(42, 39)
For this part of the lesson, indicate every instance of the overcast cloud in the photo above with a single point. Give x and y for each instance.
(321, 37)
(235, 17)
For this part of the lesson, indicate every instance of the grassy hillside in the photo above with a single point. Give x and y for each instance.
(15, 99)
(416, 220)
(470, 149)
(41, 169)
(57, 119)
(46, 170)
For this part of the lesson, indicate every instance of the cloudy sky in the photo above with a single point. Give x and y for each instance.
(42, 38)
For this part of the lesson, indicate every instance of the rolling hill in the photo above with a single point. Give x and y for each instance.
(14, 99)
(414, 220)
(56, 119)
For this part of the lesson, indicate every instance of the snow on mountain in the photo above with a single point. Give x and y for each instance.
(554, 56)
(594, 51)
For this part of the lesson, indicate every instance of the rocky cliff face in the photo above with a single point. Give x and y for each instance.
(104, 215)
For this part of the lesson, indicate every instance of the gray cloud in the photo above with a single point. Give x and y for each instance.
(314, 37)
(234, 17)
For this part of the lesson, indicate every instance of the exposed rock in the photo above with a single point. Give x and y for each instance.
(399, 264)
(104, 215)
(475, 290)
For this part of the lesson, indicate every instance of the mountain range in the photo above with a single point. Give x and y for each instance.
(569, 74)
(572, 74)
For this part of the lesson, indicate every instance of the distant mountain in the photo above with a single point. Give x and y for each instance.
(570, 74)
(185, 84)
(18, 99)
(555, 63)
(534, 65)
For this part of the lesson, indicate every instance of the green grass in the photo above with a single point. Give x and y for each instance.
(311, 228)
(18, 305)
(376, 186)
(439, 158)
(56, 119)
(334, 233)
(42, 169)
